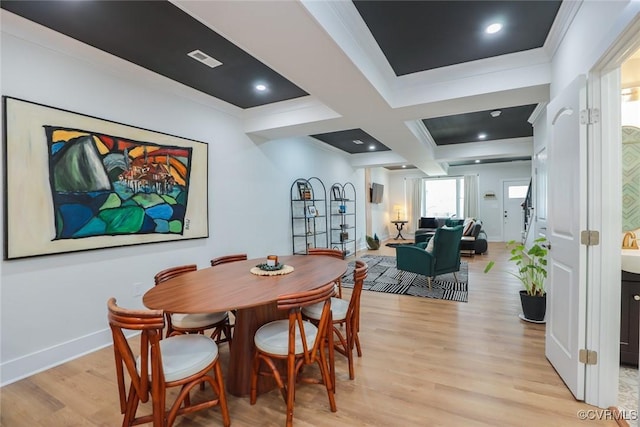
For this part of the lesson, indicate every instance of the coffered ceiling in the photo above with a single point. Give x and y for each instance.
(415, 80)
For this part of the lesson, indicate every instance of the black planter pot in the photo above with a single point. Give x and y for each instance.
(533, 308)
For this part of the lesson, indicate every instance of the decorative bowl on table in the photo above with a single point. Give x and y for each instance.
(266, 267)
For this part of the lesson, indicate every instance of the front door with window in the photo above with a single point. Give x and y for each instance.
(513, 194)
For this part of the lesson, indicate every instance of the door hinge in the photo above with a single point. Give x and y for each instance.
(590, 237)
(588, 357)
(589, 116)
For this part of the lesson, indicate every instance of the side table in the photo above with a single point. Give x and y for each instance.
(399, 226)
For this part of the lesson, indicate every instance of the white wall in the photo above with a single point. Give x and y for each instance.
(595, 27)
(53, 308)
(380, 211)
(490, 178)
(630, 113)
(401, 194)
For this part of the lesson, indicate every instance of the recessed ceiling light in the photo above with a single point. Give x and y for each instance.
(261, 87)
(477, 161)
(482, 135)
(372, 147)
(404, 166)
(495, 113)
(207, 60)
(493, 28)
(357, 141)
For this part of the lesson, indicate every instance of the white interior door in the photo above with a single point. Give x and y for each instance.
(567, 212)
(513, 195)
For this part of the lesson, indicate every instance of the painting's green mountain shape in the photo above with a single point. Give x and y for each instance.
(169, 199)
(148, 200)
(78, 168)
(113, 201)
(122, 220)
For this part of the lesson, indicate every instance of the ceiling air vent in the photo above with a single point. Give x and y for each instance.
(207, 60)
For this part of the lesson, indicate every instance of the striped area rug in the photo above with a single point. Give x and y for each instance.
(384, 277)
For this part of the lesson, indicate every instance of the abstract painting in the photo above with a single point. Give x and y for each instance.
(75, 182)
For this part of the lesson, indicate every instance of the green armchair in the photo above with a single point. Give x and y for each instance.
(445, 257)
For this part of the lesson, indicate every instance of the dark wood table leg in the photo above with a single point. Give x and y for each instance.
(399, 227)
(247, 322)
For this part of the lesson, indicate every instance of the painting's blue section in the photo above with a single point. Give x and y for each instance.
(123, 191)
(95, 227)
(148, 225)
(162, 226)
(55, 147)
(73, 218)
(162, 211)
(178, 212)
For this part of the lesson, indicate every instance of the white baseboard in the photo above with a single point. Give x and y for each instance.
(23, 367)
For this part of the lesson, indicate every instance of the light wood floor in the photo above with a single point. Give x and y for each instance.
(426, 363)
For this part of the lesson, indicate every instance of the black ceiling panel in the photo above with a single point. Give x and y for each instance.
(423, 35)
(158, 36)
(511, 123)
(344, 140)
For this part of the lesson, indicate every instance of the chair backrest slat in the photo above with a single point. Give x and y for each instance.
(228, 258)
(172, 272)
(303, 299)
(336, 253)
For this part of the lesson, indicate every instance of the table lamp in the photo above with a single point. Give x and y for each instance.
(398, 209)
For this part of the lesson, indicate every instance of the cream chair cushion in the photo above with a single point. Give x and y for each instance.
(198, 320)
(338, 310)
(273, 337)
(184, 355)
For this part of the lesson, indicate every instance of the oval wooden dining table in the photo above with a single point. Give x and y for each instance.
(232, 286)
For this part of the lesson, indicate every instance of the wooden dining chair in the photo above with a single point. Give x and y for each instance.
(198, 323)
(299, 343)
(347, 313)
(336, 253)
(184, 361)
(225, 259)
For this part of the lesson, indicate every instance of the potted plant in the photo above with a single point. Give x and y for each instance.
(532, 272)
(373, 242)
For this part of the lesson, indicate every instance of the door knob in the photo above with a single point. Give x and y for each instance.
(636, 297)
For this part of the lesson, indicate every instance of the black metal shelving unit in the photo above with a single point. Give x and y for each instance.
(342, 218)
(309, 223)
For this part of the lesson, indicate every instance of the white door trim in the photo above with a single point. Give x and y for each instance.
(603, 266)
(605, 215)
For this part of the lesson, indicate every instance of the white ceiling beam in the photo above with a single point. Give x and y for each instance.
(499, 148)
